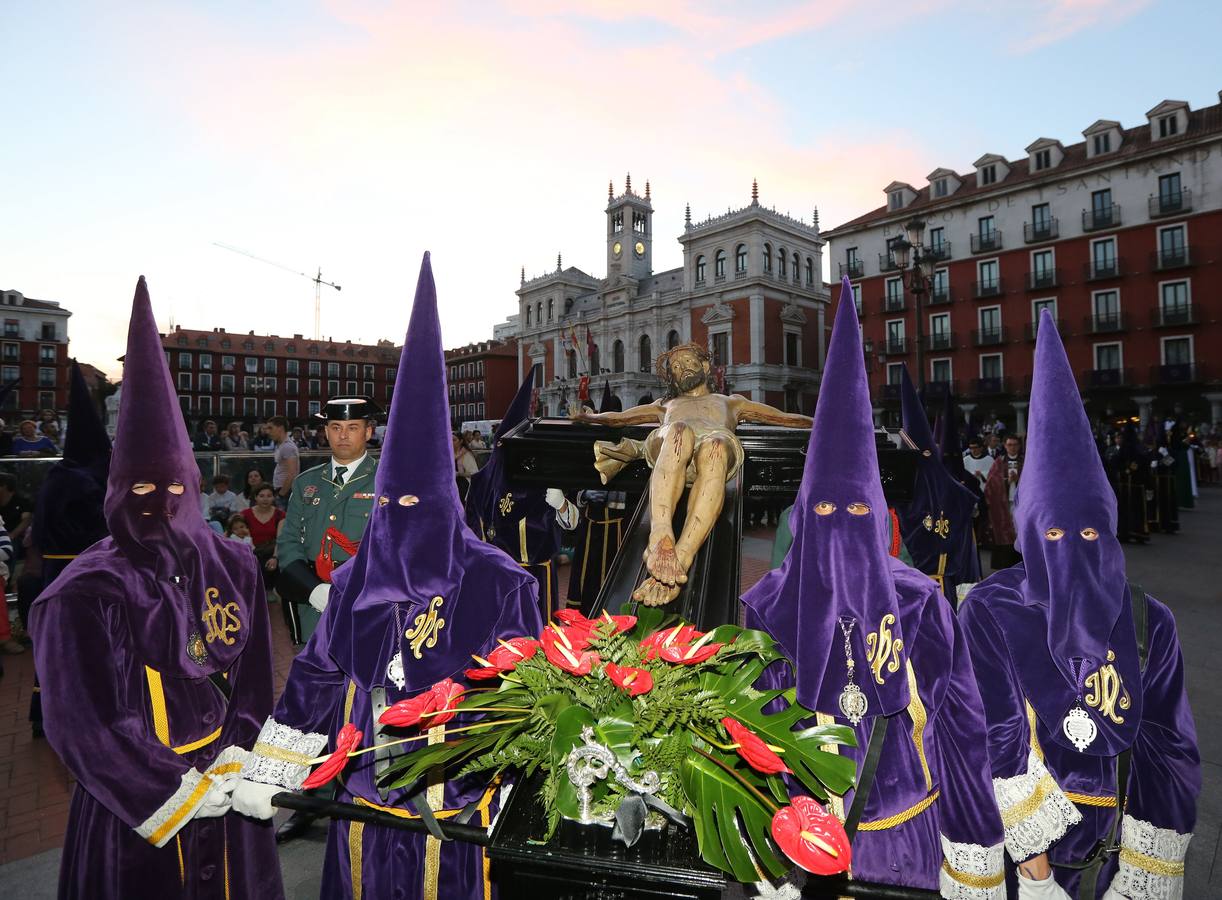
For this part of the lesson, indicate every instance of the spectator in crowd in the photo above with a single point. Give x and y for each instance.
(477, 441)
(6, 439)
(254, 481)
(234, 438)
(992, 444)
(45, 418)
(206, 439)
(30, 443)
(288, 461)
(464, 459)
(7, 642)
(263, 441)
(999, 493)
(237, 529)
(319, 440)
(222, 504)
(977, 462)
(299, 438)
(15, 509)
(263, 519)
(50, 430)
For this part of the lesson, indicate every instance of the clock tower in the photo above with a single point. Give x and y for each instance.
(629, 232)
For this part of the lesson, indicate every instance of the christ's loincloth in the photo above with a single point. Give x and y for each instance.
(610, 458)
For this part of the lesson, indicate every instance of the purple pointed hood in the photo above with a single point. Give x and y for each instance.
(87, 441)
(1073, 567)
(417, 562)
(609, 402)
(193, 586)
(491, 481)
(838, 567)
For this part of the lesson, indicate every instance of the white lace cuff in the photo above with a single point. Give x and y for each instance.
(230, 760)
(177, 811)
(281, 756)
(1151, 861)
(1034, 810)
(972, 871)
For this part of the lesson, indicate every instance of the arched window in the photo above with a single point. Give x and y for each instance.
(617, 356)
(527, 315)
(551, 304)
(594, 369)
(797, 269)
(719, 264)
(672, 340)
(646, 354)
(699, 270)
(781, 260)
(810, 272)
(539, 313)
(740, 258)
(767, 257)
(645, 400)
(572, 360)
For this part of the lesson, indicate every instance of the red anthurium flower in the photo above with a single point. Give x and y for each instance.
(812, 837)
(503, 658)
(572, 640)
(680, 634)
(346, 741)
(446, 694)
(575, 621)
(565, 655)
(621, 623)
(690, 654)
(483, 673)
(633, 681)
(407, 713)
(754, 750)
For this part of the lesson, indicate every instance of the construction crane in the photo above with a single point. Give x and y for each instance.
(316, 278)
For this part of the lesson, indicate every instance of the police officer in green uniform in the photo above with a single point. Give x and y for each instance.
(327, 513)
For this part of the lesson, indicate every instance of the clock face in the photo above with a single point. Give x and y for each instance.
(639, 248)
(617, 248)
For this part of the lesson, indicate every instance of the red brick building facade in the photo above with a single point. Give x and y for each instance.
(1119, 235)
(483, 379)
(34, 349)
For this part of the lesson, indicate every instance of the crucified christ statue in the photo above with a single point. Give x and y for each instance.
(694, 444)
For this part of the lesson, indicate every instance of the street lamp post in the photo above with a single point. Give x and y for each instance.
(917, 262)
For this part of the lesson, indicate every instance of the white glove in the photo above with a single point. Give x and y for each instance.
(254, 799)
(1048, 889)
(319, 596)
(219, 798)
(555, 498)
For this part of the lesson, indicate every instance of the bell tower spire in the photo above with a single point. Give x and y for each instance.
(630, 232)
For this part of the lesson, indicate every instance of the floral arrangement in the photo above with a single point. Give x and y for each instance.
(627, 719)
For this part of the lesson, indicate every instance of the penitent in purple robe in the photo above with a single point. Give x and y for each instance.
(154, 651)
(421, 596)
(930, 820)
(1056, 637)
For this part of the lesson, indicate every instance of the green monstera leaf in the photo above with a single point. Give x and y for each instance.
(732, 823)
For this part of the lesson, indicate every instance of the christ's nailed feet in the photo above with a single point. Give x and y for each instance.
(654, 593)
(663, 563)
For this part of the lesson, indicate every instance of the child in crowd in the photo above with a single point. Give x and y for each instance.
(238, 530)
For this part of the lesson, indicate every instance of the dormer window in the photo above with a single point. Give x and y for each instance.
(1168, 126)
(1043, 159)
(940, 188)
(1103, 143)
(988, 175)
(895, 201)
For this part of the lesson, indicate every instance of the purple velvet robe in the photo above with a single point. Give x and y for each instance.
(939, 733)
(103, 716)
(320, 697)
(1165, 771)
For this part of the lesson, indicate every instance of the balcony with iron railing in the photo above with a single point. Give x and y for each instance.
(1170, 203)
(1103, 217)
(988, 337)
(990, 387)
(940, 340)
(1032, 328)
(1044, 230)
(935, 389)
(886, 262)
(1102, 379)
(892, 392)
(989, 288)
(854, 268)
(939, 251)
(1099, 269)
(1104, 323)
(895, 346)
(986, 243)
(1172, 258)
(894, 304)
(1041, 279)
(1178, 373)
(940, 297)
(1173, 315)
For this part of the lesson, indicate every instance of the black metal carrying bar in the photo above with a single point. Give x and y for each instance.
(333, 809)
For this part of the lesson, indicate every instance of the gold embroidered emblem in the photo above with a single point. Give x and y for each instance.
(424, 631)
(1106, 691)
(506, 504)
(197, 649)
(220, 620)
(942, 527)
(927, 522)
(882, 651)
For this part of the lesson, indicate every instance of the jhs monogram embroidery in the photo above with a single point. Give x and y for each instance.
(1106, 691)
(882, 650)
(506, 504)
(220, 620)
(426, 628)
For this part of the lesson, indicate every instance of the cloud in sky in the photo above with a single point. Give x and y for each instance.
(1053, 21)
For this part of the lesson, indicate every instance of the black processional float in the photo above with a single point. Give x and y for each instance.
(583, 862)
